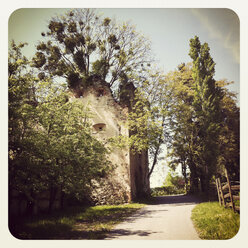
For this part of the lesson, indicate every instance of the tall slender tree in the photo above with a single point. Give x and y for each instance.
(149, 116)
(182, 146)
(206, 103)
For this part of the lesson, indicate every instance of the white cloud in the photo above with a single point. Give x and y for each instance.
(227, 37)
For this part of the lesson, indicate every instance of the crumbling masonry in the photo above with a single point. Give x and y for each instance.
(129, 179)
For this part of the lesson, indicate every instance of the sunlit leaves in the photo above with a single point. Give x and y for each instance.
(50, 140)
(147, 120)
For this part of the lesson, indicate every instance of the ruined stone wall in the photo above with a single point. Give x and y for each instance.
(129, 179)
(109, 120)
(139, 162)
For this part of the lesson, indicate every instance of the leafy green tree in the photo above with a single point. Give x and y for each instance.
(206, 103)
(23, 172)
(147, 120)
(182, 144)
(174, 180)
(75, 157)
(50, 142)
(190, 112)
(229, 139)
(81, 45)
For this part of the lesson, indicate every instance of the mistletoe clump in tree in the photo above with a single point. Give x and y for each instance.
(81, 46)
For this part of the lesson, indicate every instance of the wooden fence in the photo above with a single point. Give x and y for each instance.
(228, 193)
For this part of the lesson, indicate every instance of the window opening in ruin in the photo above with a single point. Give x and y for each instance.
(100, 93)
(99, 127)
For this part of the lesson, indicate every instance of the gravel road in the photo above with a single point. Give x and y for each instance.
(167, 219)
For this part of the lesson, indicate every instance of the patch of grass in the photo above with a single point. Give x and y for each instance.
(213, 221)
(73, 223)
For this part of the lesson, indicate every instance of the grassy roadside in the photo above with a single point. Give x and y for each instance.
(213, 221)
(74, 223)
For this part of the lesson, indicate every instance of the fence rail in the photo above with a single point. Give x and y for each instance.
(228, 192)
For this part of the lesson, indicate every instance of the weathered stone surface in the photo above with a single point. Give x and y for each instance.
(129, 179)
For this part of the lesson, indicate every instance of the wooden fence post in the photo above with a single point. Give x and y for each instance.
(218, 190)
(230, 190)
(221, 193)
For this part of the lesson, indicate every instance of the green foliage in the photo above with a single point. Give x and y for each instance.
(174, 180)
(74, 80)
(203, 115)
(39, 60)
(50, 142)
(73, 223)
(147, 120)
(119, 142)
(77, 58)
(229, 139)
(182, 143)
(195, 117)
(214, 222)
(82, 42)
(100, 68)
(206, 103)
(193, 114)
(166, 190)
(75, 157)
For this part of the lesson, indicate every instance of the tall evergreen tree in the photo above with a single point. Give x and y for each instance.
(206, 103)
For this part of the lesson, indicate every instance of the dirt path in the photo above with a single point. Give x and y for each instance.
(167, 219)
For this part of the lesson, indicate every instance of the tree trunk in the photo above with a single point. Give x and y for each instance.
(205, 184)
(194, 187)
(53, 191)
(62, 197)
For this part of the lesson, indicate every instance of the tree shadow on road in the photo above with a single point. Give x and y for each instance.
(125, 232)
(159, 205)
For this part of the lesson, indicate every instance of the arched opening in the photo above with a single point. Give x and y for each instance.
(100, 92)
(99, 127)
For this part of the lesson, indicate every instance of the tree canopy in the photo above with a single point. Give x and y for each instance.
(148, 116)
(199, 120)
(82, 45)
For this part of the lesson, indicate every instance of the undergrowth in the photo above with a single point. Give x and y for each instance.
(73, 223)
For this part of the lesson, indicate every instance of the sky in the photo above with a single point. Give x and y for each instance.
(169, 31)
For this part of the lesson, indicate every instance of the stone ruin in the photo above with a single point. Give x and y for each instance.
(129, 179)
